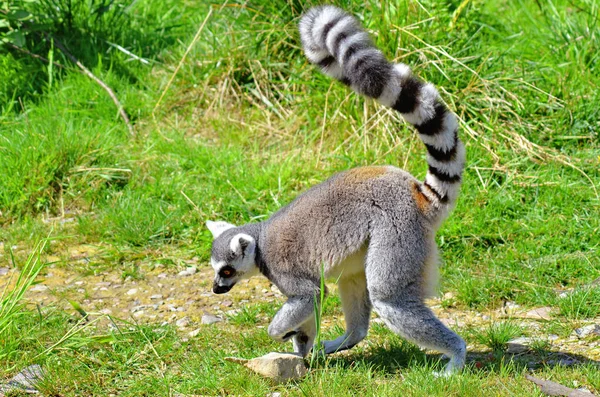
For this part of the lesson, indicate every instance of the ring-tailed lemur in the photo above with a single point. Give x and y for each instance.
(372, 228)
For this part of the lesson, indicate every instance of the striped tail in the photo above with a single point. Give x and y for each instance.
(337, 43)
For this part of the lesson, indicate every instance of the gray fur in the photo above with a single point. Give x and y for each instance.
(371, 228)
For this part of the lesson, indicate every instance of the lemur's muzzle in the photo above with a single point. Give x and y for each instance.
(221, 289)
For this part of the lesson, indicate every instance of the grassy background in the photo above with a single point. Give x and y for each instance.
(248, 124)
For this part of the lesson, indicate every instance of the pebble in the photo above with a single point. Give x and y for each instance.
(194, 333)
(38, 288)
(156, 297)
(183, 322)
(132, 291)
(162, 275)
(518, 345)
(227, 303)
(592, 329)
(210, 319)
(510, 306)
(3, 271)
(188, 272)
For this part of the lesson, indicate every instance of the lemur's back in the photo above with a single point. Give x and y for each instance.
(335, 219)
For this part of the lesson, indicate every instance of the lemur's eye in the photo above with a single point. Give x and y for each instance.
(227, 272)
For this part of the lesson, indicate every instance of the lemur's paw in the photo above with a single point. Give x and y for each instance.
(281, 335)
(302, 343)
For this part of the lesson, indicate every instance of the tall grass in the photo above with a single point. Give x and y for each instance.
(11, 299)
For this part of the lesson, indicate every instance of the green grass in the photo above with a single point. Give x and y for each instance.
(498, 334)
(247, 125)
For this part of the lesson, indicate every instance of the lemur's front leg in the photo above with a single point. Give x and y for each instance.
(289, 319)
(304, 339)
(295, 320)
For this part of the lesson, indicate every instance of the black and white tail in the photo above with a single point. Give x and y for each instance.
(337, 43)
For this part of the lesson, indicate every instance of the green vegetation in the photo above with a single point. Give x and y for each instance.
(247, 124)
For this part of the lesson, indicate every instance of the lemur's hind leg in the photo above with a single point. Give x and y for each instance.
(395, 283)
(357, 310)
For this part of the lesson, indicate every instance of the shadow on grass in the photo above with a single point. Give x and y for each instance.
(392, 359)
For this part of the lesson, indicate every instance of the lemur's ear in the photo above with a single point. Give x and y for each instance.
(217, 228)
(242, 244)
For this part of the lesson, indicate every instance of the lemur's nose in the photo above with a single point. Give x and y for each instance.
(221, 289)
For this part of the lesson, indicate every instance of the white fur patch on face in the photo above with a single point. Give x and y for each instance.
(217, 265)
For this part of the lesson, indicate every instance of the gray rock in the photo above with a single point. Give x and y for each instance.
(24, 381)
(183, 322)
(281, 367)
(592, 329)
(4, 271)
(38, 288)
(194, 333)
(132, 291)
(518, 345)
(156, 297)
(188, 272)
(539, 313)
(210, 319)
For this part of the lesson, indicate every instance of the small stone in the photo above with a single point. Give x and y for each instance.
(132, 291)
(511, 306)
(183, 322)
(188, 272)
(156, 297)
(227, 303)
(276, 394)
(38, 288)
(24, 382)
(194, 333)
(162, 275)
(4, 271)
(553, 337)
(592, 329)
(518, 345)
(210, 319)
(280, 367)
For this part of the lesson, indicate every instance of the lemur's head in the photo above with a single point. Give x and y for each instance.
(232, 255)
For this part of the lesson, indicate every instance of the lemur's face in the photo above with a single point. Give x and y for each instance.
(232, 256)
